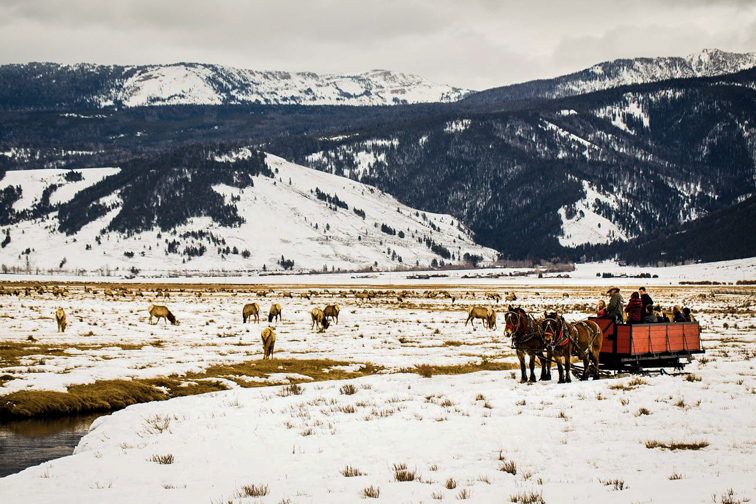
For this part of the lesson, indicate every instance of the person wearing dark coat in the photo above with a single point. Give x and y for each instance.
(633, 309)
(678, 315)
(686, 313)
(650, 317)
(645, 298)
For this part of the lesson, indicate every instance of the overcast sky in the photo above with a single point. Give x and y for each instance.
(469, 43)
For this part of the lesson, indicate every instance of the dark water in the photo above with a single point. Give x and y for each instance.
(26, 443)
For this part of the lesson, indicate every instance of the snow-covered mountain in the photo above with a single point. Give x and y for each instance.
(622, 72)
(205, 84)
(299, 219)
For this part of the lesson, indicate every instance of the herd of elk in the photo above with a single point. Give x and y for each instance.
(550, 338)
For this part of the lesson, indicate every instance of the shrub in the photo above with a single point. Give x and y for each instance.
(289, 390)
(371, 492)
(252, 491)
(162, 459)
(348, 389)
(351, 472)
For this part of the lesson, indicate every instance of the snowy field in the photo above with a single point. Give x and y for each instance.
(482, 437)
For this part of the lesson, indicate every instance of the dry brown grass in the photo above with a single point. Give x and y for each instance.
(351, 472)
(109, 395)
(252, 491)
(371, 492)
(696, 445)
(427, 370)
(113, 395)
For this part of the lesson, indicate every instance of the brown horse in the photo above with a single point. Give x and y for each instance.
(526, 340)
(558, 335)
(586, 345)
(477, 312)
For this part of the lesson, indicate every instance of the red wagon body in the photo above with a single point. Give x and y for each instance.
(638, 346)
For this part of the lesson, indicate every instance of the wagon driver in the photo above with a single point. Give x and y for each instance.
(614, 310)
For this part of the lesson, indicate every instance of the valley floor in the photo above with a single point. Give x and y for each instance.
(480, 436)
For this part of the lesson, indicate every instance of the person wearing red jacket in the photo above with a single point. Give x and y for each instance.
(634, 309)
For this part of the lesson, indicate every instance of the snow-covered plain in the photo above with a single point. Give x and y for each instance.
(566, 442)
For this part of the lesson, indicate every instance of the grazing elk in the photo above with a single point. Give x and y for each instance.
(332, 312)
(268, 342)
(251, 310)
(275, 312)
(477, 312)
(159, 312)
(319, 319)
(60, 318)
(491, 318)
(494, 296)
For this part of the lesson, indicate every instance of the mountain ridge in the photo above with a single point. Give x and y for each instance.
(621, 72)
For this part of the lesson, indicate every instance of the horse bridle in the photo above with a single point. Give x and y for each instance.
(531, 328)
(558, 338)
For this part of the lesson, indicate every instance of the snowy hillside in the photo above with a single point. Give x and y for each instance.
(301, 219)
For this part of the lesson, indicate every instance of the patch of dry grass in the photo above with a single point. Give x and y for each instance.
(371, 492)
(351, 472)
(632, 384)
(427, 370)
(162, 459)
(107, 395)
(252, 491)
(112, 395)
(696, 445)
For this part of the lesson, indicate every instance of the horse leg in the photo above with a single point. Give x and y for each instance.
(595, 359)
(560, 367)
(545, 366)
(568, 362)
(524, 376)
(532, 368)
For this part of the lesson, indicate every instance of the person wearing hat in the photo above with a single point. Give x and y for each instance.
(614, 310)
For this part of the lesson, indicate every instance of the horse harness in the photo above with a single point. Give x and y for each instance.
(531, 330)
(589, 330)
(561, 337)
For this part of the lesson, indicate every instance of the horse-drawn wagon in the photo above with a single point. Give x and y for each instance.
(641, 346)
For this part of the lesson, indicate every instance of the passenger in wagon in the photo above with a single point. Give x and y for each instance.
(633, 309)
(688, 316)
(645, 298)
(678, 315)
(614, 310)
(601, 311)
(650, 317)
(661, 316)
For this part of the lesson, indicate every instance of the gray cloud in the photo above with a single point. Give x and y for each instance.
(475, 44)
